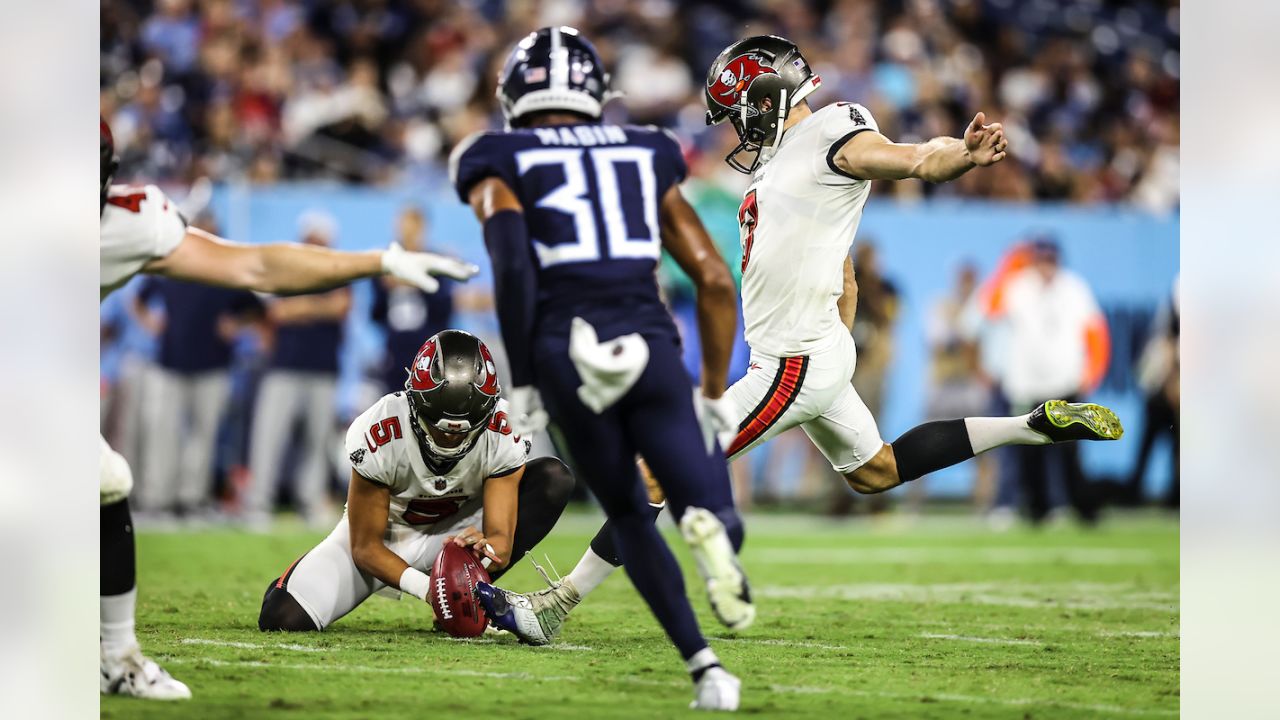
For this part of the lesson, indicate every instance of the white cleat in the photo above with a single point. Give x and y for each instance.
(718, 564)
(718, 689)
(137, 675)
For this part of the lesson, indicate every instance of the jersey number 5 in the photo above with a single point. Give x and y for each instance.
(747, 220)
(572, 198)
(382, 433)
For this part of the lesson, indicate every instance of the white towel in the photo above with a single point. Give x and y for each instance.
(608, 370)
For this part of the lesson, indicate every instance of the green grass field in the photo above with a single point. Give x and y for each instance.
(937, 618)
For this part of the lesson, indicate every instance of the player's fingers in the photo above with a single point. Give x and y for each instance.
(997, 157)
(978, 121)
(995, 127)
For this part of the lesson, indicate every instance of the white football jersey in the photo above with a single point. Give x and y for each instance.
(797, 222)
(139, 224)
(382, 447)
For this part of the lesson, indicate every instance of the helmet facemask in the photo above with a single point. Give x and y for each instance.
(453, 392)
(754, 84)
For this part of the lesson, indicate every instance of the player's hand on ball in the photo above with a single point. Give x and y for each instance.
(474, 539)
(418, 268)
(986, 144)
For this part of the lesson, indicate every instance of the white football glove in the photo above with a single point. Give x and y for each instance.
(717, 418)
(417, 268)
(527, 415)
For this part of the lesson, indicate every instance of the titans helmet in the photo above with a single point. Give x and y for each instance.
(553, 69)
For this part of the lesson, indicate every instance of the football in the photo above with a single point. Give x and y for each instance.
(453, 592)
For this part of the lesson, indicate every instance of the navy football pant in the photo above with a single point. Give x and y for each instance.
(655, 420)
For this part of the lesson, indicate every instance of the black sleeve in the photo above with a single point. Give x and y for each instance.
(515, 289)
(378, 312)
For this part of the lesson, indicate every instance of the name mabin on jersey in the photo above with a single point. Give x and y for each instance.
(581, 135)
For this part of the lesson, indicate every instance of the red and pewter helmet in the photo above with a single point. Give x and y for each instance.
(740, 81)
(452, 389)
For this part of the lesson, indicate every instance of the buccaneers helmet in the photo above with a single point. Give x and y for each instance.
(107, 158)
(553, 69)
(753, 84)
(452, 389)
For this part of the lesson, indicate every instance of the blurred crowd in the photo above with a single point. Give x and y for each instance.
(379, 91)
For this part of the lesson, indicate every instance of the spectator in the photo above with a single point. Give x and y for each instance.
(873, 325)
(299, 387)
(873, 336)
(186, 394)
(1087, 92)
(408, 315)
(1058, 348)
(1158, 376)
(958, 387)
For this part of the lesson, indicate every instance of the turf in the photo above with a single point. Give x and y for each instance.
(933, 618)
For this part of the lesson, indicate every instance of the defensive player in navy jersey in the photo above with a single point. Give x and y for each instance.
(576, 214)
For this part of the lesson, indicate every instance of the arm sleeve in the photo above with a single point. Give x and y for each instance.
(840, 123)
(515, 288)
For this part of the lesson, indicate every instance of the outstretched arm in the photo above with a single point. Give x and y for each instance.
(871, 156)
(686, 239)
(287, 269)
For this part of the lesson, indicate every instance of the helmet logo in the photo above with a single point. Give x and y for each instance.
(736, 78)
(489, 373)
(421, 377)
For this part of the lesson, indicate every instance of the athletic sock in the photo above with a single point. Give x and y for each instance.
(657, 577)
(701, 662)
(936, 445)
(603, 545)
(116, 616)
(590, 571)
(988, 433)
(931, 446)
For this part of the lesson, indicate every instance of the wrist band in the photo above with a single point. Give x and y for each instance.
(416, 583)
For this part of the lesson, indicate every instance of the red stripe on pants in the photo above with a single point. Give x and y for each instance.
(757, 424)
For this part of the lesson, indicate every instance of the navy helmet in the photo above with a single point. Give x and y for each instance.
(553, 69)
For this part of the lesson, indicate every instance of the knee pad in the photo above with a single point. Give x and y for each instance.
(553, 478)
(281, 612)
(115, 479)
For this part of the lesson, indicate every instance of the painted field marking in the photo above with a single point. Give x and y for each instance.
(793, 689)
(939, 555)
(1073, 596)
(972, 639)
(495, 641)
(255, 646)
(782, 643)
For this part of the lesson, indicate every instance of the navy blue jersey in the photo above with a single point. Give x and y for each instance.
(590, 195)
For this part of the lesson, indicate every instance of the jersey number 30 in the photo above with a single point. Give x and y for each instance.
(572, 197)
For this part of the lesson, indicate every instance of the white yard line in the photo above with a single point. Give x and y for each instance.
(944, 555)
(255, 646)
(495, 641)
(782, 643)
(1072, 596)
(987, 640)
(793, 689)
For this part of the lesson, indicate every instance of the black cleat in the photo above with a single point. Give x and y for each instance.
(1062, 421)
